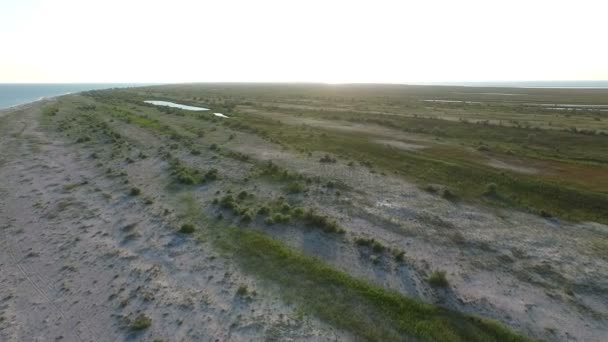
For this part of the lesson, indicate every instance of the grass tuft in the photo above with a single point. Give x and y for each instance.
(187, 228)
(438, 279)
(141, 322)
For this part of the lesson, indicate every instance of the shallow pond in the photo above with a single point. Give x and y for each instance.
(175, 105)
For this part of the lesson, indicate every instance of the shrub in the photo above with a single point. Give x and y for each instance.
(294, 187)
(328, 225)
(242, 195)
(285, 208)
(298, 212)
(448, 194)
(438, 279)
(367, 163)
(377, 247)
(363, 242)
(242, 290)
(135, 191)
(399, 256)
(228, 202)
(327, 159)
(247, 216)
(431, 189)
(187, 228)
(141, 322)
(186, 178)
(184, 174)
(491, 189)
(264, 210)
(50, 111)
(280, 218)
(211, 174)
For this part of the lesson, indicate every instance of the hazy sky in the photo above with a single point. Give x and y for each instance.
(308, 40)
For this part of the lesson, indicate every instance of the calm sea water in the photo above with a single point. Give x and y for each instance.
(14, 94)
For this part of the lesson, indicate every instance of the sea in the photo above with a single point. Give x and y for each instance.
(16, 94)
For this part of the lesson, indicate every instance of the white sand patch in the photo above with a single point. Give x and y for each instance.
(499, 164)
(400, 144)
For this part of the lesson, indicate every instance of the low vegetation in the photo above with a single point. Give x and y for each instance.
(140, 322)
(453, 162)
(187, 228)
(187, 175)
(373, 313)
(277, 212)
(438, 279)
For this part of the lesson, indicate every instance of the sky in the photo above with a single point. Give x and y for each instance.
(302, 41)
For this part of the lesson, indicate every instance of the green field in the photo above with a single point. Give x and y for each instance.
(490, 152)
(551, 162)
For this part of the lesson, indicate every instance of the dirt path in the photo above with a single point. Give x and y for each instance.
(80, 259)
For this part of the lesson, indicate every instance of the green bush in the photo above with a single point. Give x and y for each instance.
(247, 216)
(449, 195)
(322, 221)
(242, 290)
(280, 218)
(491, 189)
(135, 191)
(298, 212)
(295, 187)
(438, 279)
(377, 247)
(431, 189)
(187, 228)
(141, 322)
(285, 208)
(228, 202)
(211, 175)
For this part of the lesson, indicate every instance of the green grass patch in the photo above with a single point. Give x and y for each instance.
(466, 179)
(368, 311)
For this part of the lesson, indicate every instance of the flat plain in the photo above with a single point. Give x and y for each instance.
(306, 212)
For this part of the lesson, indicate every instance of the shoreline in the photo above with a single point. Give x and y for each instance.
(72, 89)
(27, 105)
